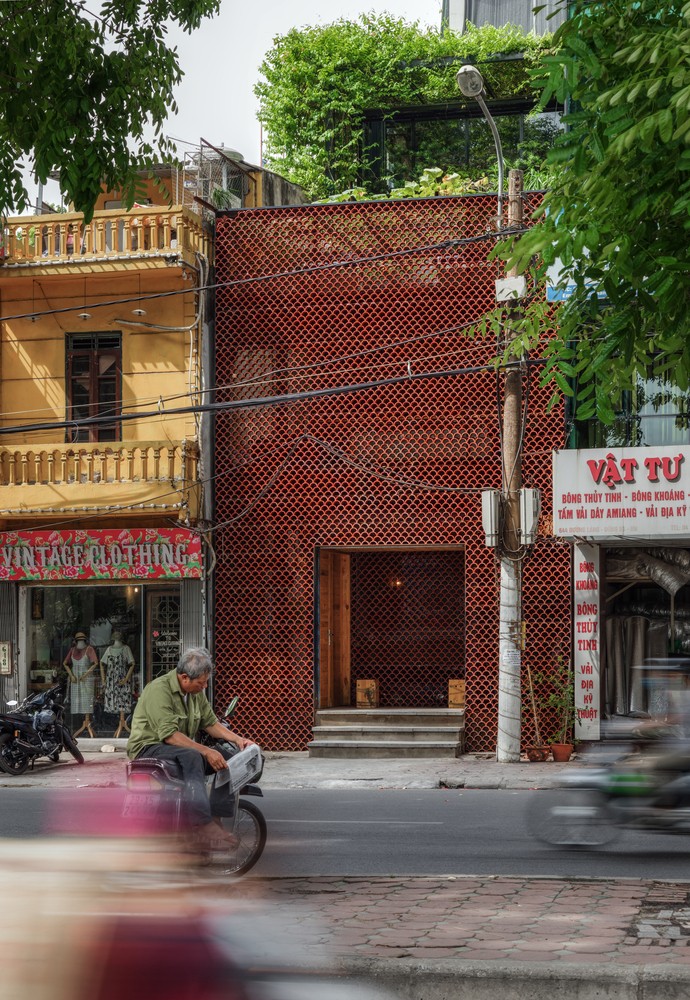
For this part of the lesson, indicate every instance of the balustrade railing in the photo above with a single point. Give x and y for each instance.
(121, 462)
(150, 231)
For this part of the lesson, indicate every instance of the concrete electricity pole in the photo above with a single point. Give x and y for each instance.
(510, 539)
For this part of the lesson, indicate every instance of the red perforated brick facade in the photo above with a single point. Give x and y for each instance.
(347, 471)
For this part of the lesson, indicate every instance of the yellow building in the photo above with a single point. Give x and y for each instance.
(100, 480)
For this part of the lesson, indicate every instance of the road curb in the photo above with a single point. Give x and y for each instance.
(448, 979)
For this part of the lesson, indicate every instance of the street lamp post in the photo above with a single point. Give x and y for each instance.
(510, 537)
(471, 84)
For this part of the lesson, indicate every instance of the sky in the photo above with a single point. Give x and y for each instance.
(221, 62)
(221, 59)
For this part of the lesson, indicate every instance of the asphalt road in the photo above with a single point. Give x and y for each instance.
(411, 832)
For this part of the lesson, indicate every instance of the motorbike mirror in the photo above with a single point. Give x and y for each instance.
(12, 704)
(229, 711)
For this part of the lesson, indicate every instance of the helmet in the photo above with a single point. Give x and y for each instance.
(46, 717)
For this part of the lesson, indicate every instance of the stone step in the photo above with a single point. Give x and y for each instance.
(388, 734)
(363, 750)
(452, 717)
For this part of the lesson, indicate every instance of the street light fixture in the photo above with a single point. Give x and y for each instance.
(471, 84)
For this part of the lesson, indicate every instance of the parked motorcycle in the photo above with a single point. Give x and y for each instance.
(155, 793)
(595, 803)
(33, 729)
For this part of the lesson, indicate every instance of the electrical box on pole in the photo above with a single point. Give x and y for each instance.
(530, 504)
(491, 517)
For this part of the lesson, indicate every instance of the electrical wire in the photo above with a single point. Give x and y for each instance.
(523, 424)
(259, 279)
(292, 370)
(382, 474)
(259, 401)
(289, 371)
(292, 446)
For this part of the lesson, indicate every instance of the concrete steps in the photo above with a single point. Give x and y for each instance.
(381, 732)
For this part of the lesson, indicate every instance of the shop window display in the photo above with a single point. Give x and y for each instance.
(647, 622)
(93, 634)
(80, 663)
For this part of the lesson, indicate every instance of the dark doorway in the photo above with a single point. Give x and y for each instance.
(396, 616)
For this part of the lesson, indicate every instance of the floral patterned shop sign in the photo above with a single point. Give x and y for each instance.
(139, 554)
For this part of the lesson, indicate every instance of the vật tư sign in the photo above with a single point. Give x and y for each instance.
(622, 492)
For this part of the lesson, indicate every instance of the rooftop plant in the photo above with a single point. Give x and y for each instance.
(318, 82)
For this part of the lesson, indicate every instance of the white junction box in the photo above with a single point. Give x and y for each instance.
(491, 512)
(530, 505)
(511, 289)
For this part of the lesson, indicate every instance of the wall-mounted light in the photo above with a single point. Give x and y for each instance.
(136, 590)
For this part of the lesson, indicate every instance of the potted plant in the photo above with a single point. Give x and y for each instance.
(538, 751)
(562, 698)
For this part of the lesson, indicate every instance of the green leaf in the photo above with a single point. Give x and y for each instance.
(563, 384)
(79, 95)
(665, 125)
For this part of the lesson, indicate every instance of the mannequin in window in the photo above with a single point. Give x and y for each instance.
(80, 663)
(117, 667)
(100, 634)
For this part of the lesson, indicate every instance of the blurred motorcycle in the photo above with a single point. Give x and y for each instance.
(33, 729)
(592, 805)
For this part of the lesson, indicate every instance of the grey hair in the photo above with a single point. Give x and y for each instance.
(195, 663)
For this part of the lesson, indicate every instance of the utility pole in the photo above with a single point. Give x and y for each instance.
(510, 540)
(519, 509)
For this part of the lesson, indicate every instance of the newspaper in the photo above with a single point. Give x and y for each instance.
(240, 770)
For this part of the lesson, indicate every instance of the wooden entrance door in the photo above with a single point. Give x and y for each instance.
(334, 629)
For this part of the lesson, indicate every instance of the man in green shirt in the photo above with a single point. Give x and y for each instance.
(170, 712)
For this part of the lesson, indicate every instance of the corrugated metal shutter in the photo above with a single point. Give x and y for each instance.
(191, 617)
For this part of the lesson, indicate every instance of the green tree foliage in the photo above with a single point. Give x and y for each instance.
(318, 82)
(618, 212)
(81, 93)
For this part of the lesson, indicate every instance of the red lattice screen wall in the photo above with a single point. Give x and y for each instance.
(345, 470)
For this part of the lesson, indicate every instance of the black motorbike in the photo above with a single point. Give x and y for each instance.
(35, 728)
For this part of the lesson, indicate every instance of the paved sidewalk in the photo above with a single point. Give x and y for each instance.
(495, 936)
(298, 770)
(454, 937)
(627, 921)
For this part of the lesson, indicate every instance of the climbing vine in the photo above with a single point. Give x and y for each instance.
(318, 82)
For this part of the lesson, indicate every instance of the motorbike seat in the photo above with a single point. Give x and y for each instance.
(163, 769)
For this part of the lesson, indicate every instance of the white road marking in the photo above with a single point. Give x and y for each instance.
(361, 822)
